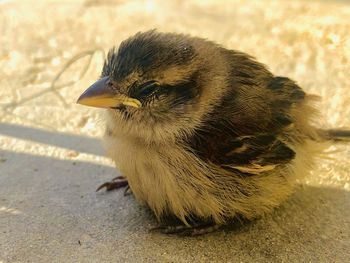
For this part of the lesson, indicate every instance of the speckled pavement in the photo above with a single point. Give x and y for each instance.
(52, 159)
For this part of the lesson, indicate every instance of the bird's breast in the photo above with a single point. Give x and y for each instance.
(151, 180)
(166, 178)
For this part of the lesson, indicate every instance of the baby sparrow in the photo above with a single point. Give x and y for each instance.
(200, 132)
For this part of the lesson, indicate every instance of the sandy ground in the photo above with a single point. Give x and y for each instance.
(51, 158)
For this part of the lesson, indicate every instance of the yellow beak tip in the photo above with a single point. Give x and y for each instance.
(81, 101)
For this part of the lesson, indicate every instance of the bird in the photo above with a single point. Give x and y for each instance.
(202, 133)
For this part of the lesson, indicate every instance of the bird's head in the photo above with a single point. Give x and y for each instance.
(155, 85)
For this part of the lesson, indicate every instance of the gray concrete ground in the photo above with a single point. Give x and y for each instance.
(51, 158)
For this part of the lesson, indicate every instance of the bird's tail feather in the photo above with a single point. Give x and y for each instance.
(339, 134)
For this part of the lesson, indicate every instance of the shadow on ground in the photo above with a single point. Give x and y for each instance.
(64, 140)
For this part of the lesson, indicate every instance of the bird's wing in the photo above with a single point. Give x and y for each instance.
(249, 139)
(249, 154)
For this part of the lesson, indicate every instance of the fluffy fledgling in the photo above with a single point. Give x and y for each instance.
(201, 132)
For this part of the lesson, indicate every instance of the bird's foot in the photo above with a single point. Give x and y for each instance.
(183, 230)
(116, 183)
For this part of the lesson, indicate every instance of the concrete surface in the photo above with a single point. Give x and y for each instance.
(51, 158)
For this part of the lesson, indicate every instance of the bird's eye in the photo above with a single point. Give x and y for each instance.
(148, 88)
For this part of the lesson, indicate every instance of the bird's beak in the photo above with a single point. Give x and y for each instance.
(99, 95)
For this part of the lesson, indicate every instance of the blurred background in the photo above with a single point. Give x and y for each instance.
(50, 51)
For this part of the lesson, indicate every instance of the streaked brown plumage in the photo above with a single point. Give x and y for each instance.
(201, 132)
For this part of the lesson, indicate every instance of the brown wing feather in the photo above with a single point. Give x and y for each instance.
(249, 141)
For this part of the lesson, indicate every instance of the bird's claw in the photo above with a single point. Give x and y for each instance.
(127, 190)
(116, 183)
(183, 230)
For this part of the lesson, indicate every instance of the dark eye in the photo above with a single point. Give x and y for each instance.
(148, 88)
